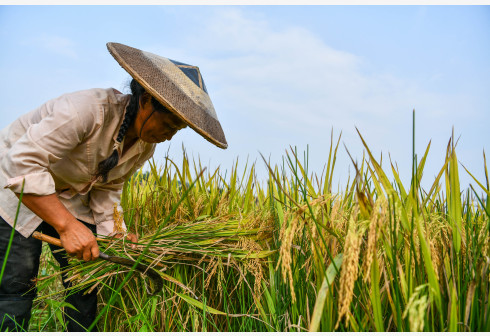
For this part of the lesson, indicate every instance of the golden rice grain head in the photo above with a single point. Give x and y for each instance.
(266, 226)
(434, 255)
(199, 205)
(463, 241)
(222, 208)
(118, 219)
(286, 259)
(416, 309)
(285, 253)
(211, 270)
(485, 238)
(334, 212)
(350, 267)
(371, 241)
(339, 218)
(253, 265)
(221, 278)
(314, 237)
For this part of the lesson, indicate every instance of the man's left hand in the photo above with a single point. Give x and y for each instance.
(130, 236)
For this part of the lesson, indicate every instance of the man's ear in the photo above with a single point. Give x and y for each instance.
(145, 98)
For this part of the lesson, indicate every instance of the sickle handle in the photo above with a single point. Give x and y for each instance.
(52, 240)
(57, 242)
(117, 260)
(47, 239)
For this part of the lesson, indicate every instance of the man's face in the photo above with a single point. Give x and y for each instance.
(155, 126)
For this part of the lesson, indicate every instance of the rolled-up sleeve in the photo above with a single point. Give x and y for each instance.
(61, 127)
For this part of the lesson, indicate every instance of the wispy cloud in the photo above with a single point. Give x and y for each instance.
(290, 78)
(282, 86)
(57, 45)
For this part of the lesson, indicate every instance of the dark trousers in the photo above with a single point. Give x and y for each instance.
(18, 289)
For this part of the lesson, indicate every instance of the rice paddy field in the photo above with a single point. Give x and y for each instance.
(288, 254)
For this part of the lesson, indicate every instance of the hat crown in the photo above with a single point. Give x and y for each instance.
(192, 72)
(184, 84)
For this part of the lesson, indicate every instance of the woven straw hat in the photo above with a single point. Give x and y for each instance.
(177, 86)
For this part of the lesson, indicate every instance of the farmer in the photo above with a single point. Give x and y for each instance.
(69, 159)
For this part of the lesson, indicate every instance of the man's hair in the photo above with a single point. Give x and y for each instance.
(137, 92)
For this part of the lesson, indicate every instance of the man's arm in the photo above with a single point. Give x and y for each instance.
(75, 237)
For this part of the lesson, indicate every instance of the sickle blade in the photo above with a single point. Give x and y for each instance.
(155, 277)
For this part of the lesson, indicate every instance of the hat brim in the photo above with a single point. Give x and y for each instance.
(173, 89)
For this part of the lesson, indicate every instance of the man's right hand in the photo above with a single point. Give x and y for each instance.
(75, 237)
(79, 241)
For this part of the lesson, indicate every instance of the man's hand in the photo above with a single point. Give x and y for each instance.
(79, 241)
(75, 237)
(130, 236)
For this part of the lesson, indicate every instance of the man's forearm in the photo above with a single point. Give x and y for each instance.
(75, 237)
(50, 209)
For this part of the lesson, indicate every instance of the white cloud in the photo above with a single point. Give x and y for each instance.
(291, 73)
(281, 87)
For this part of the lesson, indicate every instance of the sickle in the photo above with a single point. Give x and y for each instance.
(156, 278)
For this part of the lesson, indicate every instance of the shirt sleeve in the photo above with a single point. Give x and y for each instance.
(102, 201)
(57, 128)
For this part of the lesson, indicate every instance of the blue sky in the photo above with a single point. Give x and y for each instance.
(279, 75)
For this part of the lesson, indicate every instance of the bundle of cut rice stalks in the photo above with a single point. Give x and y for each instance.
(209, 246)
(188, 244)
(192, 258)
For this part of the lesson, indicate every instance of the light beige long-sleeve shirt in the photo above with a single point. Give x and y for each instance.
(56, 149)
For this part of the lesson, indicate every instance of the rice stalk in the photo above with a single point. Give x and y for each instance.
(350, 267)
(238, 255)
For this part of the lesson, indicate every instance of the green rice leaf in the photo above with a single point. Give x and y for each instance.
(376, 297)
(199, 304)
(322, 293)
(453, 320)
